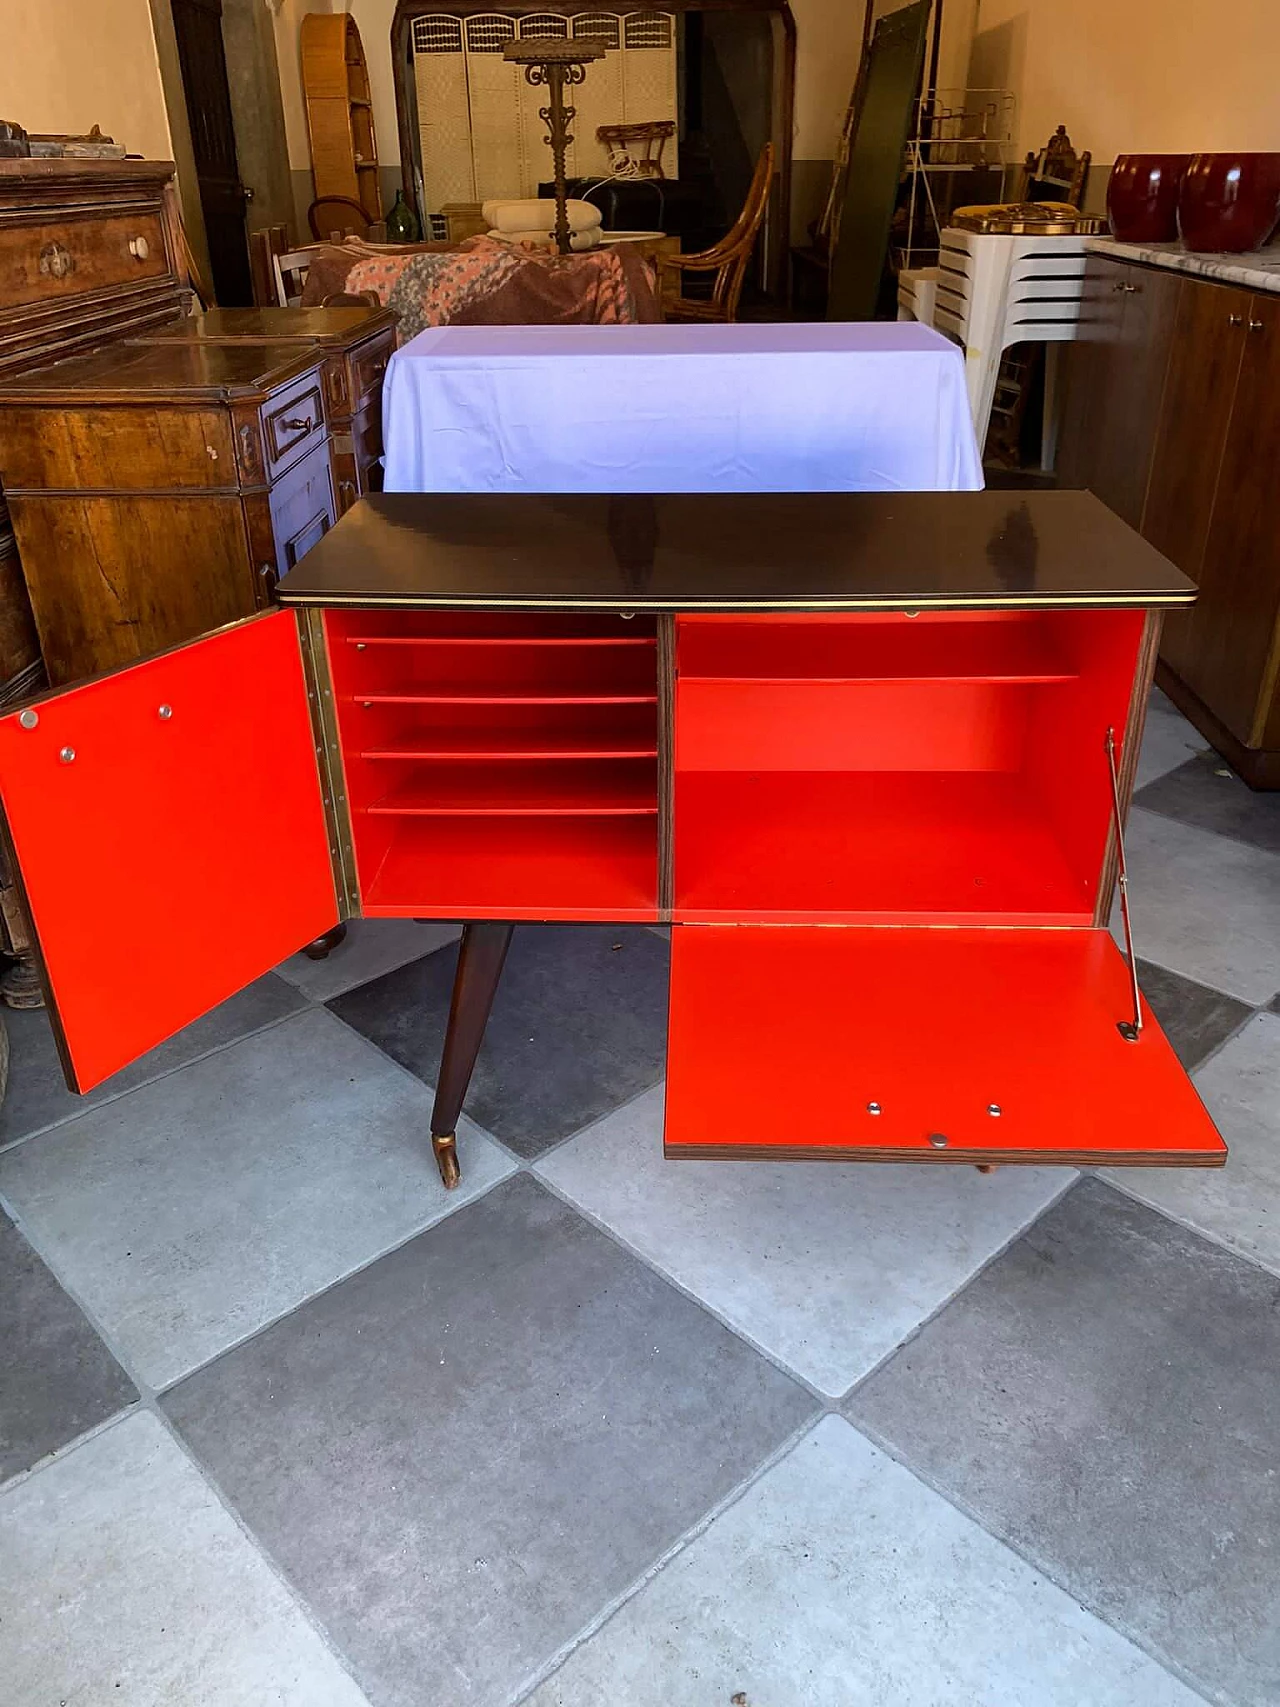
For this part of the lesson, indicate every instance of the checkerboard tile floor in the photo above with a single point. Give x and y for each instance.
(281, 1422)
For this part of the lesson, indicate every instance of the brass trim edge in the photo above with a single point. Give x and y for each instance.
(324, 725)
(944, 1158)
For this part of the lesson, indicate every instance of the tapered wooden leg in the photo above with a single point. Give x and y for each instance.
(481, 954)
(319, 949)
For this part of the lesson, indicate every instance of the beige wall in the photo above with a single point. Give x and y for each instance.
(1137, 76)
(66, 65)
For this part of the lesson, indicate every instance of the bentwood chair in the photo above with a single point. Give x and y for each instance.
(727, 259)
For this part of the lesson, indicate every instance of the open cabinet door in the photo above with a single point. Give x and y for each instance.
(920, 1044)
(168, 831)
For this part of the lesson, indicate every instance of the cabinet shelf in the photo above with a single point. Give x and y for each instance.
(530, 791)
(517, 868)
(931, 648)
(502, 699)
(866, 847)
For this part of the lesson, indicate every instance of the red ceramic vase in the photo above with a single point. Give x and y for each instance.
(1142, 197)
(1229, 201)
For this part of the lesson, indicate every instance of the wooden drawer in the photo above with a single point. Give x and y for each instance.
(368, 366)
(293, 423)
(302, 512)
(68, 257)
(356, 452)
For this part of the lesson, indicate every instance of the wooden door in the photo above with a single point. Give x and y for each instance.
(1226, 651)
(169, 836)
(1116, 383)
(202, 56)
(1204, 364)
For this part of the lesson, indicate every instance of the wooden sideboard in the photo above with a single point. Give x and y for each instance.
(1172, 416)
(782, 722)
(355, 344)
(160, 490)
(89, 253)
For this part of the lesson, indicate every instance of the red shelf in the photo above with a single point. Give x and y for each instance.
(862, 847)
(539, 641)
(518, 868)
(924, 649)
(496, 698)
(535, 790)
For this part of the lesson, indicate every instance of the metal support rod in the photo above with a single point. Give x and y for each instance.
(1130, 1030)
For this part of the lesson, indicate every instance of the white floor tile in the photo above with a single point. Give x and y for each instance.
(194, 1210)
(1204, 905)
(839, 1579)
(826, 1266)
(372, 947)
(1240, 1203)
(124, 1583)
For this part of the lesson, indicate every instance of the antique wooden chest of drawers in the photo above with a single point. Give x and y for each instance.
(355, 346)
(160, 490)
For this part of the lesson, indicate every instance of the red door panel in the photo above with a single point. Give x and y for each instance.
(898, 1045)
(170, 835)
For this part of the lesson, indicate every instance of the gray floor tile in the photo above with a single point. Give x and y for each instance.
(839, 1579)
(56, 1376)
(828, 1268)
(1205, 791)
(372, 947)
(1194, 1018)
(1204, 905)
(124, 1581)
(1167, 741)
(1105, 1397)
(462, 1453)
(37, 1096)
(578, 1026)
(1240, 1203)
(199, 1207)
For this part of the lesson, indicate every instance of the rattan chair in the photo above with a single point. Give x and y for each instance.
(727, 259)
(337, 216)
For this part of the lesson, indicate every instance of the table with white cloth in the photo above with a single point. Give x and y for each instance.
(838, 407)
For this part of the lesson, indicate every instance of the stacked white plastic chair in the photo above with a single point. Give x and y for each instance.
(990, 291)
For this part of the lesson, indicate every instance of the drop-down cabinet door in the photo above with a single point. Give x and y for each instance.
(920, 1045)
(168, 831)
(893, 835)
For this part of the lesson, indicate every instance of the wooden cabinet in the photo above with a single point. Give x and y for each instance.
(158, 490)
(1180, 434)
(458, 719)
(1114, 392)
(355, 345)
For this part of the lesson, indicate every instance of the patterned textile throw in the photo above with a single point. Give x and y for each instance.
(487, 283)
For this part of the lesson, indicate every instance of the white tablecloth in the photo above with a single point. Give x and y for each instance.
(861, 407)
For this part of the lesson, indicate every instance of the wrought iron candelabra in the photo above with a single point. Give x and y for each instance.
(556, 66)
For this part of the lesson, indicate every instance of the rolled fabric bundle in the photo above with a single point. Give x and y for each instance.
(578, 240)
(538, 214)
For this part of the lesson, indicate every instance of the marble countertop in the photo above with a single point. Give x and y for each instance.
(1258, 270)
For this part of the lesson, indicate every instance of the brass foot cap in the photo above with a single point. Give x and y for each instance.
(446, 1153)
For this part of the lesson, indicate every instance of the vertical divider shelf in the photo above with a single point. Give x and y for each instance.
(500, 765)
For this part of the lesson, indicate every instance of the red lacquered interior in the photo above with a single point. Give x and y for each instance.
(948, 768)
(932, 1028)
(203, 828)
(499, 766)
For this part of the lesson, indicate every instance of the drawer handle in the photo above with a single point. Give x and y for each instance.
(298, 424)
(1235, 319)
(56, 262)
(1257, 326)
(139, 248)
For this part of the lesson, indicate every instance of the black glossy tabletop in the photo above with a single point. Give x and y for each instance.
(765, 551)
